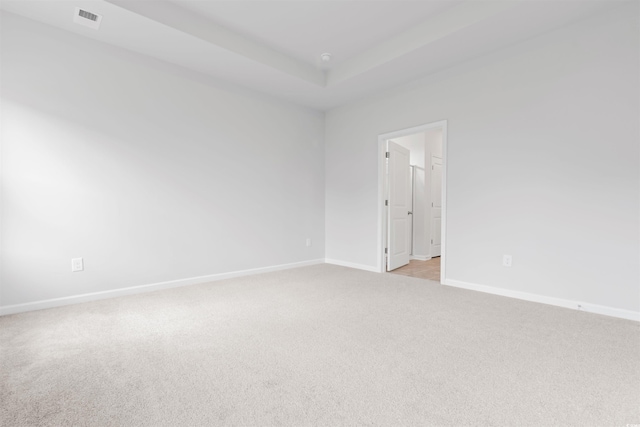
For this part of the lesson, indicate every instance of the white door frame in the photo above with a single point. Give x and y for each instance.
(382, 211)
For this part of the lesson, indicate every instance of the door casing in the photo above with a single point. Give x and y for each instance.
(382, 209)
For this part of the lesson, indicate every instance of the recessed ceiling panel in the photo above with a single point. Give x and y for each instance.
(306, 29)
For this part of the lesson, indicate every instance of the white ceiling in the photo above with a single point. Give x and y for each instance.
(274, 46)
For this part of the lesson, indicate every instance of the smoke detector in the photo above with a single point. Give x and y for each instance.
(86, 18)
(325, 57)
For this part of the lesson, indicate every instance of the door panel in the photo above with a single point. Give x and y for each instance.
(436, 205)
(398, 226)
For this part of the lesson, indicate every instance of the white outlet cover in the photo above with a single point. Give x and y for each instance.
(77, 264)
(507, 260)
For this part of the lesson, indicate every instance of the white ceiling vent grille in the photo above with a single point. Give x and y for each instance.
(87, 19)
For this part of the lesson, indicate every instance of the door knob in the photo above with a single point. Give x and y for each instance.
(409, 213)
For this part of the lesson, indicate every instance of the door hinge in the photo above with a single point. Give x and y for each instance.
(431, 204)
(386, 203)
(431, 167)
(432, 241)
(386, 250)
(386, 154)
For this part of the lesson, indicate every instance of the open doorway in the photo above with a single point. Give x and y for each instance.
(413, 207)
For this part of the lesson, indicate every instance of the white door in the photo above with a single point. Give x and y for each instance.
(399, 219)
(436, 205)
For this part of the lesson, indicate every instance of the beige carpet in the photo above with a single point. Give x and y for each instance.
(318, 346)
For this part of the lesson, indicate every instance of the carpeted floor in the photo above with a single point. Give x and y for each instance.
(318, 346)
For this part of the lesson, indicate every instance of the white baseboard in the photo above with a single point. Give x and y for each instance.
(559, 302)
(352, 265)
(76, 299)
(420, 257)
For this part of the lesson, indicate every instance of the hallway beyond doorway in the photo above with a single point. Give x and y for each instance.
(429, 270)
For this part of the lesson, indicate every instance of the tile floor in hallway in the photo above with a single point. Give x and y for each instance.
(423, 269)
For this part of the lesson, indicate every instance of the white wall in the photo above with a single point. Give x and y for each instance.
(149, 175)
(543, 161)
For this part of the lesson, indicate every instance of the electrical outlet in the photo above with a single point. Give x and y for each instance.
(77, 264)
(308, 242)
(506, 260)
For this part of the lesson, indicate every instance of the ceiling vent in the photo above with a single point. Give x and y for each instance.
(87, 19)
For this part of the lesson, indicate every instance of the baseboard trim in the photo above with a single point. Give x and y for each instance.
(94, 296)
(420, 258)
(559, 302)
(351, 264)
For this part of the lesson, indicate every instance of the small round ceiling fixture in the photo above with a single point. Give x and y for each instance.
(326, 57)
